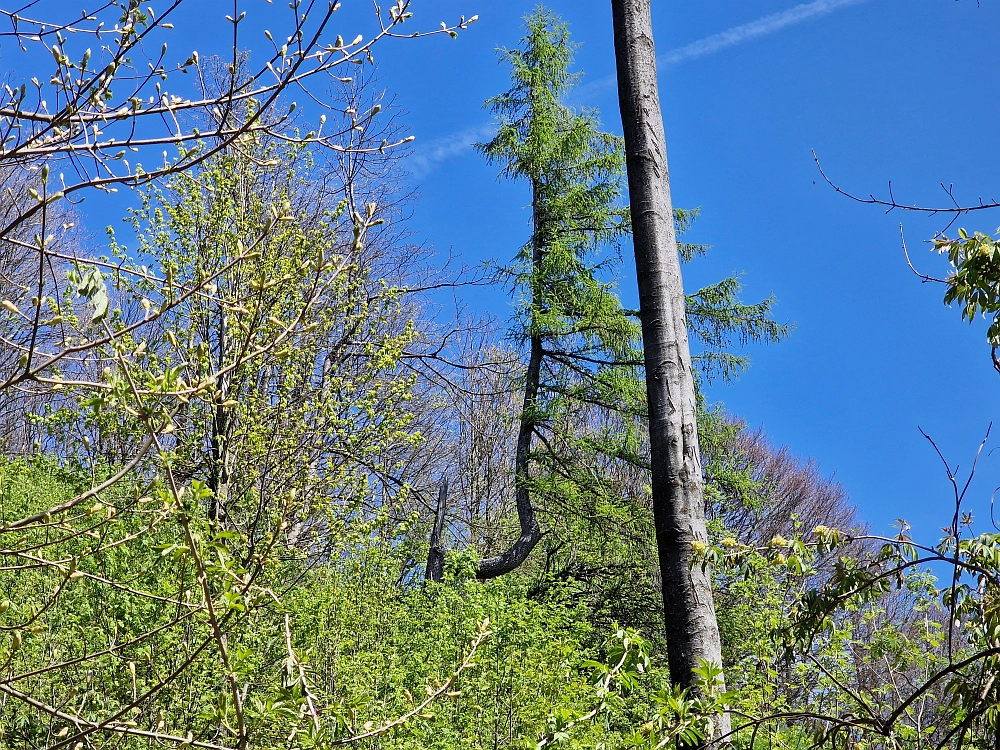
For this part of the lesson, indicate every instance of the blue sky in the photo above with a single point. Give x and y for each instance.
(901, 90)
(882, 89)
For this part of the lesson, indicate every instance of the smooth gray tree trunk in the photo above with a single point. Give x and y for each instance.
(677, 486)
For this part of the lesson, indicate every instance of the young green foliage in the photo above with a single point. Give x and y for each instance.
(974, 282)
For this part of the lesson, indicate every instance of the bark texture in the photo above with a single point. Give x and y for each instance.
(677, 486)
(435, 555)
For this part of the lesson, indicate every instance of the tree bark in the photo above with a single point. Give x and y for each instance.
(219, 475)
(677, 486)
(435, 555)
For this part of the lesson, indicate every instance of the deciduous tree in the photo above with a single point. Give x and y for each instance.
(677, 483)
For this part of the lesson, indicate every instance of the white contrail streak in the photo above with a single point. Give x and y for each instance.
(747, 31)
(429, 157)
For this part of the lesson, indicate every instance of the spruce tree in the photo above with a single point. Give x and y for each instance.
(581, 342)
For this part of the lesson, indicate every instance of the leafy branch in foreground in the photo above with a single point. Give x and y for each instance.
(940, 688)
(678, 715)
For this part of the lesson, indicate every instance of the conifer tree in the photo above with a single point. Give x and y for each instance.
(580, 341)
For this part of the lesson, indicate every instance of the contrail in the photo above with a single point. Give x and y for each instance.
(747, 31)
(430, 156)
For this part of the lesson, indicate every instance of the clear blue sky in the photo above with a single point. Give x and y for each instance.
(882, 89)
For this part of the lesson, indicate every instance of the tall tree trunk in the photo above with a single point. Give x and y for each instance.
(678, 499)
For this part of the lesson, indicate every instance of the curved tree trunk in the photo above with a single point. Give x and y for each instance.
(678, 502)
(518, 552)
